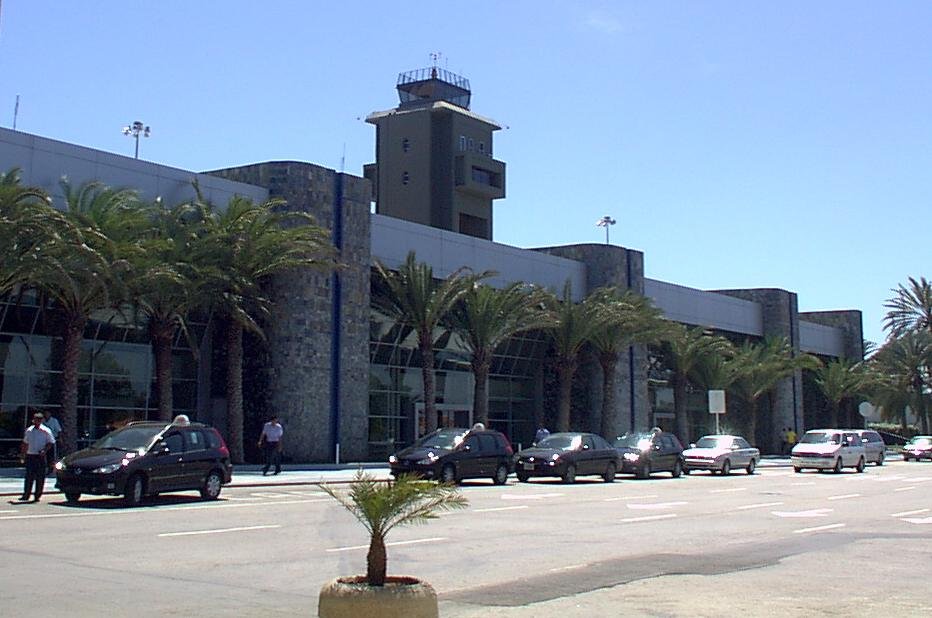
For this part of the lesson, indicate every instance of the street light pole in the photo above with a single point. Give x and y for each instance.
(136, 129)
(605, 222)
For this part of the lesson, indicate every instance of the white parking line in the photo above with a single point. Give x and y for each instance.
(723, 491)
(395, 544)
(569, 568)
(801, 484)
(757, 506)
(905, 488)
(907, 513)
(11, 511)
(218, 531)
(501, 508)
(844, 496)
(818, 528)
(529, 496)
(631, 498)
(912, 520)
(631, 520)
(809, 513)
(656, 506)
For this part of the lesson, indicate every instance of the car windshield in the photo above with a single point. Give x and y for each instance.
(920, 442)
(713, 442)
(129, 438)
(816, 437)
(444, 438)
(561, 442)
(640, 441)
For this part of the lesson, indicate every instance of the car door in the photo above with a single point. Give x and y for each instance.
(666, 454)
(197, 460)
(470, 457)
(587, 461)
(742, 451)
(167, 471)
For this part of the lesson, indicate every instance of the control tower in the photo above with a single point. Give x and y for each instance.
(433, 156)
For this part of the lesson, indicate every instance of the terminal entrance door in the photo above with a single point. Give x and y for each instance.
(448, 415)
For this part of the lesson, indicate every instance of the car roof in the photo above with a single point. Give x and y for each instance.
(165, 425)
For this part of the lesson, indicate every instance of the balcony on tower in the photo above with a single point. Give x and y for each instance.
(434, 84)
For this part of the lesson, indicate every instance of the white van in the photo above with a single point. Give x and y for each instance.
(829, 449)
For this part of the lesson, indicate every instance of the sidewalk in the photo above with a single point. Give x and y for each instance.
(245, 475)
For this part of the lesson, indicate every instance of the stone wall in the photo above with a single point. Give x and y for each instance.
(849, 321)
(320, 321)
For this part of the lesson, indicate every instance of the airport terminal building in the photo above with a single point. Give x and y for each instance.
(345, 382)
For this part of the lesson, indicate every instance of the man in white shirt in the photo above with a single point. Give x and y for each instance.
(37, 441)
(270, 441)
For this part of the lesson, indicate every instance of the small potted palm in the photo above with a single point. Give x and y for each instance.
(381, 506)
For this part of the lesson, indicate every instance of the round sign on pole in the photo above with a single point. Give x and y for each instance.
(716, 402)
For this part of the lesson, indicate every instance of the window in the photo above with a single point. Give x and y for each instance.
(473, 443)
(742, 443)
(487, 443)
(482, 147)
(194, 440)
(406, 144)
(472, 145)
(462, 143)
(174, 442)
(405, 178)
(588, 443)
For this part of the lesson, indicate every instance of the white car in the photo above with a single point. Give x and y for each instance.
(829, 449)
(720, 453)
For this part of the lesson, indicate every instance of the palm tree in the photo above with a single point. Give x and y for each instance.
(630, 318)
(27, 224)
(83, 275)
(682, 349)
(571, 327)
(910, 309)
(906, 361)
(485, 317)
(414, 299)
(163, 287)
(243, 247)
(381, 506)
(759, 367)
(838, 380)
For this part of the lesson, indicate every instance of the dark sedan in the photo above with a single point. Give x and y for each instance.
(656, 451)
(453, 454)
(568, 455)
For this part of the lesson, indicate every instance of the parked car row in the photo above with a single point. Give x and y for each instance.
(455, 454)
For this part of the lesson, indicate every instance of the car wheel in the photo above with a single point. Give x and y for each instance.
(797, 470)
(860, 466)
(644, 471)
(609, 476)
(135, 491)
(448, 474)
(522, 476)
(501, 474)
(726, 467)
(72, 497)
(838, 466)
(686, 471)
(751, 466)
(212, 486)
(570, 475)
(677, 469)
(880, 460)
(905, 458)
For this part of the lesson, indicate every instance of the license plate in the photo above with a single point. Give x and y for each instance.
(528, 466)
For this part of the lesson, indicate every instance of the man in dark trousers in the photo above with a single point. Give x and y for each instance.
(270, 441)
(37, 441)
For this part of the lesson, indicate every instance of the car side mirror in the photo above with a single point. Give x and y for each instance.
(467, 448)
(656, 447)
(692, 445)
(585, 447)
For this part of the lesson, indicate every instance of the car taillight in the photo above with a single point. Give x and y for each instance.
(508, 449)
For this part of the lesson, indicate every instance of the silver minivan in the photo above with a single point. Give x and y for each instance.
(874, 447)
(829, 449)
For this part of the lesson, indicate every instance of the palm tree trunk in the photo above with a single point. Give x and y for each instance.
(426, 344)
(376, 561)
(608, 362)
(679, 407)
(480, 370)
(161, 335)
(834, 410)
(235, 391)
(74, 333)
(565, 373)
(752, 421)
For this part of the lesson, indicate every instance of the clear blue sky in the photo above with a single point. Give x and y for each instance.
(738, 144)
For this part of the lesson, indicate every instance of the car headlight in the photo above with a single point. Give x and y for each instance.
(555, 457)
(109, 468)
(60, 465)
(392, 459)
(632, 456)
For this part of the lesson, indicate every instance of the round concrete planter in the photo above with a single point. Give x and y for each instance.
(400, 597)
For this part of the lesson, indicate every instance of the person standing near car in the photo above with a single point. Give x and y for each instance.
(541, 434)
(270, 441)
(55, 427)
(37, 440)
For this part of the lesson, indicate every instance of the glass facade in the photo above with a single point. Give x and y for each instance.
(116, 373)
(396, 392)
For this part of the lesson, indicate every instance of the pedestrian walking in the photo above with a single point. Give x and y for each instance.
(55, 427)
(790, 439)
(37, 440)
(270, 441)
